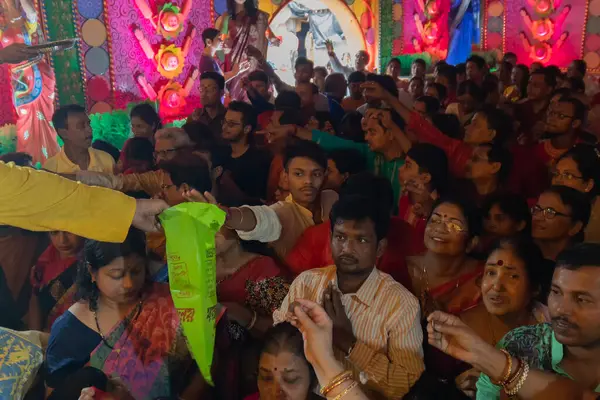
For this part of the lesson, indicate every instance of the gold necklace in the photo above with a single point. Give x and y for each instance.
(426, 298)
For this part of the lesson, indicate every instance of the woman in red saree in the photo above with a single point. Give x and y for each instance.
(33, 87)
(126, 327)
(445, 278)
(250, 287)
(243, 25)
(53, 280)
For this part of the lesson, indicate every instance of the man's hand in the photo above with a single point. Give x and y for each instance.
(375, 90)
(343, 335)
(146, 214)
(194, 196)
(17, 53)
(274, 134)
(329, 47)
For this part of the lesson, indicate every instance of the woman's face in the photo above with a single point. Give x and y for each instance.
(284, 376)
(499, 224)
(225, 240)
(67, 244)
(122, 280)
(566, 173)
(505, 285)
(141, 129)
(551, 218)
(447, 231)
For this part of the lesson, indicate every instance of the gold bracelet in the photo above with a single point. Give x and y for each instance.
(345, 392)
(521, 382)
(335, 382)
(506, 376)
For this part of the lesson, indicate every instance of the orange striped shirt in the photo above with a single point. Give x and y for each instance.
(388, 356)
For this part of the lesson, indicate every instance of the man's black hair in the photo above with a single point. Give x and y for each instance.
(60, 117)
(209, 34)
(303, 61)
(359, 208)
(432, 105)
(477, 60)
(500, 154)
(215, 76)
(258, 75)
(549, 76)
(578, 256)
(348, 161)
(288, 99)
(305, 149)
(191, 169)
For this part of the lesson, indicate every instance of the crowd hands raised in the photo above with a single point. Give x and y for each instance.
(422, 238)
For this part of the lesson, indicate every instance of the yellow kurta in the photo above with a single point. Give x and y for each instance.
(40, 201)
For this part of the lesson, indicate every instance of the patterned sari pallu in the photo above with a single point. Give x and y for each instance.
(147, 350)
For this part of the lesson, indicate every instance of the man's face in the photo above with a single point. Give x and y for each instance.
(418, 70)
(574, 305)
(355, 90)
(304, 73)
(473, 72)
(559, 118)
(557, 223)
(478, 131)
(305, 91)
(165, 150)
(335, 179)
(421, 108)
(431, 90)
(305, 179)
(170, 193)
(319, 80)
(537, 88)
(261, 88)
(210, 94)
(217, 43)
(376, 136)
(361, 60)
(233, 127)
(78, 132)
(354, 246)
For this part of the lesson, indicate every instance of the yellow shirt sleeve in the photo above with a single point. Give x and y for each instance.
(41, 201)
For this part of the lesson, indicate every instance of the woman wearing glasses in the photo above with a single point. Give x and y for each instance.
(559, 218)
(579, 168)
(445, 277)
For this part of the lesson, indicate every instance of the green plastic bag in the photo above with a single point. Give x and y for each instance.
(190, 230)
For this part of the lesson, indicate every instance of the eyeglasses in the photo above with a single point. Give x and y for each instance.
(548, 212)
(565, 175)
(231, 124)
(552, 113)
(165, 153)
(450, 226)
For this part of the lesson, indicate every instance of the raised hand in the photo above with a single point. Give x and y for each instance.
(194, 196)
(17, 53)
(146, 214)
(449, 334)
(343, 334)
(329, 46)
(316, 327)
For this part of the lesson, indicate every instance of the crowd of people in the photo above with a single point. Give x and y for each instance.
(422, 238)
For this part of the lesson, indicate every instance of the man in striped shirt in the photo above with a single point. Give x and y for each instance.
(377, 332)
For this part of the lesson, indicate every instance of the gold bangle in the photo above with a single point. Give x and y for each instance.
(506, 375)
(335, 382)
(345, 392)
(521, 382)
(253, 321)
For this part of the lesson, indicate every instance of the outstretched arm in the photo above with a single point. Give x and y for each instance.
(41, 201)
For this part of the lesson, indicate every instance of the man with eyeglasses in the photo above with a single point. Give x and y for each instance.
(563, 129)
(559, 218)
(212, 113)
(249, 165)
